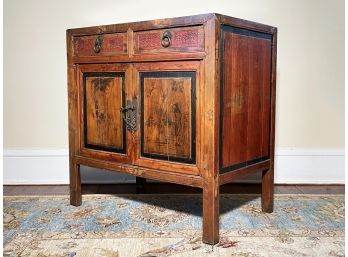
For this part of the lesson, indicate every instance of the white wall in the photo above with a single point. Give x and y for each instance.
(310, 72)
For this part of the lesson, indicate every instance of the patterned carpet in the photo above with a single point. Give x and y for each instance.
(170, 225)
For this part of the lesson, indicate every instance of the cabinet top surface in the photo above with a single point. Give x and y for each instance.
(173, 22)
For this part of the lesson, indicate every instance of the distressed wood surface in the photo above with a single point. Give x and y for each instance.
(241, 23)
(104, 124)
(183, 39)
(151, 57)
(179, 142)
(228, 177)
(246, 98)
(144, 25)
(103, 137)
(209, 118)
(111, 44)
(74, 168)
(267, 196)
(159, 68)
(139, 171)
(167, 117)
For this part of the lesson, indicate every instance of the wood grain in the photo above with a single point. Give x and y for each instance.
(246, 99)
(210, 153)
(186, 69)
(73, 114)
(267, 196)
(167, 117)
(151, 57)
(145, 25)
(138, 171)
(228, 177)
(103, 117)
(111, 44)
(190, 39)
(241, 23)
(117, 72)
(195, 128)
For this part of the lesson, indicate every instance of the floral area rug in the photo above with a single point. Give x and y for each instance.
(170, 225)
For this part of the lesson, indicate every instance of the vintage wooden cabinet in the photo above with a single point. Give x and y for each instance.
(187, 100)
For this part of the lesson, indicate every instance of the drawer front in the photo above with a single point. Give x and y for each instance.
(105, 44)
(186, 39)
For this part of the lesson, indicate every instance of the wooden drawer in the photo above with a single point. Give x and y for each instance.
(184, 39)
(105, 44)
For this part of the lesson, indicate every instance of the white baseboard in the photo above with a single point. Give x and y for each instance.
(36, 167)
(292, 166)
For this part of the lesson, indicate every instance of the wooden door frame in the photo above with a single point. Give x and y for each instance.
(181, 66)
(84, 151)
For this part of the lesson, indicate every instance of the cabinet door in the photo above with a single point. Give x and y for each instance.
(168, 107)
(103, 91)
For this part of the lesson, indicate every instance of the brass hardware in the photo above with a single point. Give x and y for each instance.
(166, 38)
(129, 114)
(98, 44)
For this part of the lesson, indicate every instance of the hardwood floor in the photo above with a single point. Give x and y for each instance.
(166, 188)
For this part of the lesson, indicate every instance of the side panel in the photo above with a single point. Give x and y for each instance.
(245, 97)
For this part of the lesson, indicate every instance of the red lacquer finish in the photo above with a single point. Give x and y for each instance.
(187, 39)
(111, 44)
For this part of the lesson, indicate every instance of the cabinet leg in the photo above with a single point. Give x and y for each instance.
(267, 196)
(75, 184)
(140, 182)
(211, 213)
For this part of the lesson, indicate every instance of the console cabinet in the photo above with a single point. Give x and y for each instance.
(187, 100)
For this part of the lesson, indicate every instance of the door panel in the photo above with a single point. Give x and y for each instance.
(166, 97)
(167, 117)
(104, 96)
(103, 91)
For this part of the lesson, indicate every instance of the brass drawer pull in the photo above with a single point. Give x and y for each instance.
(98, 44)
(166, 39)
